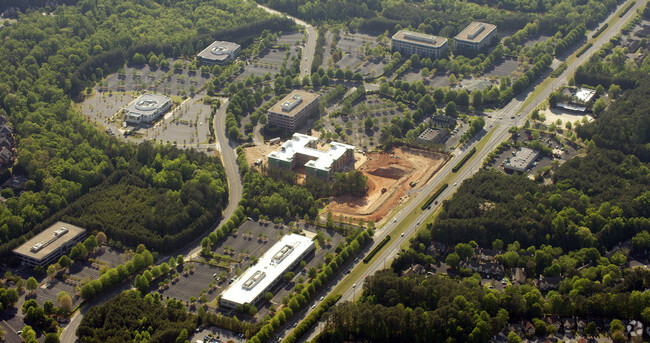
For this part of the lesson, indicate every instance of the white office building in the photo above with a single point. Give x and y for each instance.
(281, 258)
(147, 108)
(425, 46)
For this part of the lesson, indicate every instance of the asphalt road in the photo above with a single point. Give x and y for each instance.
(500, 134)
(309, 48)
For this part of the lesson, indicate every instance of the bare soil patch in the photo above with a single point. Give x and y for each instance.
(389, 177)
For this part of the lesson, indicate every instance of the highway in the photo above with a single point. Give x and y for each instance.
(500, 133)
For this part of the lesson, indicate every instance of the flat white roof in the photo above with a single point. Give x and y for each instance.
(49, 240)
(298, 145)
(584, 94)
(272, 265)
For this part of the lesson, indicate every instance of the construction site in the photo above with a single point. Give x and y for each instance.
(393, 176)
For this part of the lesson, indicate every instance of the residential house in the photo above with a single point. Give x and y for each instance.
(415, 269)
(550, 282)
(529, 328)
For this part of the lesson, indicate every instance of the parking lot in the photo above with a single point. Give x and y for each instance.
(380, 109)
(352, 46)
(502, 68)
(187, 124)
(79, 273)
(191, 284)
(214, 334)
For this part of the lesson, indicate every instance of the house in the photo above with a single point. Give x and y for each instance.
(437, 247)
(415, 269)
(529, 328)
(16, 182)
(6, 130)
(6, 156)
(490, 268)
(550, 282)
(487, 255)
(568, 324)
(518, 275)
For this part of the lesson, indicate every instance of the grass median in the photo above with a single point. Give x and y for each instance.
(544, 84)
(349, 280)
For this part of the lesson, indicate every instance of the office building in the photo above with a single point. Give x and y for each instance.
(301, 151)
(522, 160)
(433, 136)
(147, 108)
(425, 46)
(475, 37)
(260, 278)
(49, 245)
(292, 111)
(219, 53)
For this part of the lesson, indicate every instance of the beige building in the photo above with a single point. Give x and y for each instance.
(475, 37)
(292, 111)
(425, 46)
(49, 245)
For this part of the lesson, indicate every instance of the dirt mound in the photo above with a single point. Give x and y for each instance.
(391, 172)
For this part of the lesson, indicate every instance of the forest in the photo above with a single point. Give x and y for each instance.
(129, 317)
(447, 18)
(47, 60)
(436, 308)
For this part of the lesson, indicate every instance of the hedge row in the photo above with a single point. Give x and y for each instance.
(301, 299)
(464, 160)
(376, 249)
(312, 318)
(435, 195)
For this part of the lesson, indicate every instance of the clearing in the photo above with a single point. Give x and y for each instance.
(390, 175)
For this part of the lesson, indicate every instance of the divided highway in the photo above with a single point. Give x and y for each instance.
(500, 133)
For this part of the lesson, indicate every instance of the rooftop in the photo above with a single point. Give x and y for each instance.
(420, 38)
(584, 95)
(219, 51)
(273, 264)
(147, 103)
(522, 159)
(429, 134)
(293, 103)
(475, 32)
(49, 240)
(299, 145)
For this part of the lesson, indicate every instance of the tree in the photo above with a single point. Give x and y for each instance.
(52, 337)
(65, 302)
(453, 260)
(141, 283)
(32, 284)
(513, 337)
(450, 109)
(64, 261)
(153, 61)
(90, 243)
(139, 58)
(599, 106)
(29, 335)
(51, 271)
(553, 99)
(614, 91)
(591, 329)
(101, 238)
(462, 99)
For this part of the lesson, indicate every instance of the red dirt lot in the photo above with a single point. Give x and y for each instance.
(391, 172)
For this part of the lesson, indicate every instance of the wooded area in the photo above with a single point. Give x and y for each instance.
(128, 317)
(64, 157)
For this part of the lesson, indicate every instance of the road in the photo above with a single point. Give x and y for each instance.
(235, 188)
(309, 48)
(500, 134)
